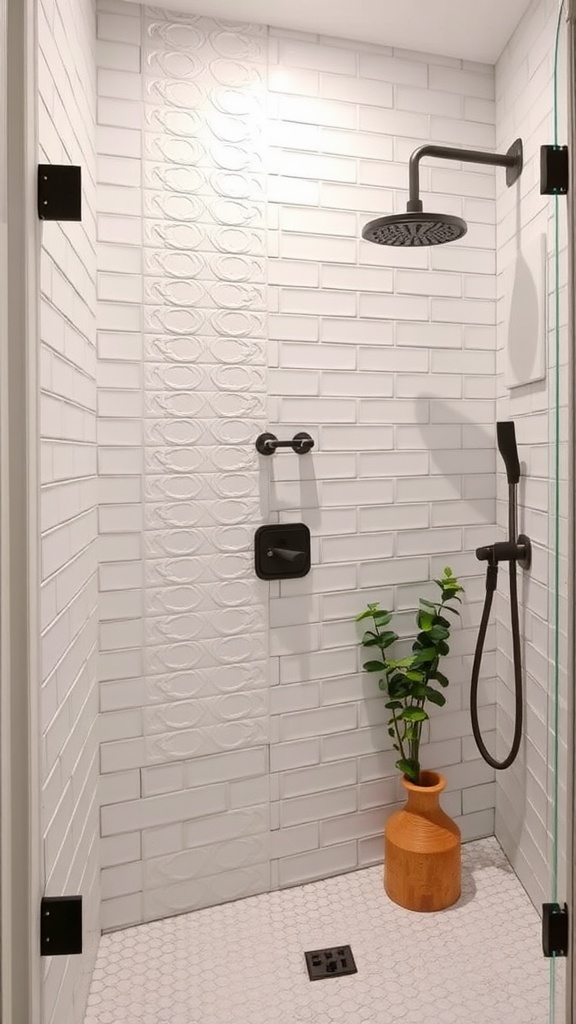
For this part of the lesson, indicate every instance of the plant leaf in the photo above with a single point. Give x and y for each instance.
(393, 704)
(403, 662)
(428, 604)
(374, 666)
(414, 715)
(434, 697)
(399, 687)
(415, 677)
(368, 638)
(409, 767)
(425, 620)
(387, 637)
(382, 640)
(387, 642)
(439, 633)
(382, 617)
(419, 690)
(368, 612)
(428, 654)
(447, 608)
(441, 678)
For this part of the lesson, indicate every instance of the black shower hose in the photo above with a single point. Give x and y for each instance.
(491, 582)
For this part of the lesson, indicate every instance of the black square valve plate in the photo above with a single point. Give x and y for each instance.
(330, 963)
(282, 551)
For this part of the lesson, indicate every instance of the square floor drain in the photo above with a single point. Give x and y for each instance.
(330, 963)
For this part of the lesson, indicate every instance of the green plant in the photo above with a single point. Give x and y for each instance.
(406, 681)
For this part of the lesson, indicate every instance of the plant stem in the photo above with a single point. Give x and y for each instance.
(400, 744)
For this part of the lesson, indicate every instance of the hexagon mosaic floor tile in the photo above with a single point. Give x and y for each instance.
(480, 962)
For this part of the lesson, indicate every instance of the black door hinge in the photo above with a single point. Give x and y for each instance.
(554, 929)
(60, 925)
(59, 192)
(554, 170)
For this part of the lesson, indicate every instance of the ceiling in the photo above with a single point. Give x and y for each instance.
(469, 29)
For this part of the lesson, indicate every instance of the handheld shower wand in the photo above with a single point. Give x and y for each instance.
(516, 550)
(506, 438)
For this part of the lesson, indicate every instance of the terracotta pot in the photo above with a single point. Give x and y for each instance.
(422, 849)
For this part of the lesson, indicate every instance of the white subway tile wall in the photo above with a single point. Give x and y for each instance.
(68, 515)
(378, 357)
(211, 184)
(374, 352)
(524, 807)
(182, 397)
(221, 760)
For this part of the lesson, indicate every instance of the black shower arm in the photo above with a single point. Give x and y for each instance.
(511, 159)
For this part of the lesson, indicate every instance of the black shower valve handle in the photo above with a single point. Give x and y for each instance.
(286, 554)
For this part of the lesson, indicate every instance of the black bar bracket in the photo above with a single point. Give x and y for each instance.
(60, 925)
(59, 192)
(268, 443)
(514, 170)
(554, 929)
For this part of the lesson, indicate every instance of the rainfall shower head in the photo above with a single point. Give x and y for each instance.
(415, 227)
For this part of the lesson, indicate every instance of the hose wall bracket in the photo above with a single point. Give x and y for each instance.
(518, 551)
(525, 560)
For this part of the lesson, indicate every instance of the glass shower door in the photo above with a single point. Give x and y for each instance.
(560, 706)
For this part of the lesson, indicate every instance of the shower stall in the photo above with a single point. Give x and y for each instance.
(221, 347)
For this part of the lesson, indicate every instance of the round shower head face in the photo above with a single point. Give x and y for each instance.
(415, 229)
